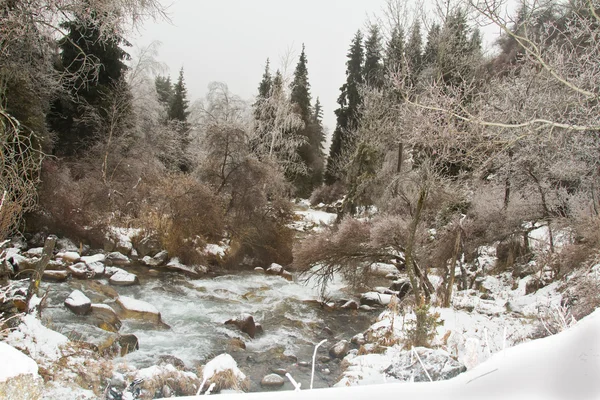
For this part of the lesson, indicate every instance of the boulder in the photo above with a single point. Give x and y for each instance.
(117, 258)
(23, 263)
(148, 246)
(523, 270)
(55, 276)
(19, 377)
(161, 257)
(100, 340)
(98, 268)
(287, 275)
(275, 269)
(81, 271)
(78, 303)
(438, 363)
(124, 278)
(150, 262)
(104, 317)
(129, 343)
(131, 308)
(193, 271)
(102, 290)
(64, 244)
(124, 247)
(401, 286)
(383, 270)
(340, 349)
(272, 380)
(55, 265)
(34, 252)
(92, 259)
(375, 299)
(260, 270)
(69, 256)
(166, 359)
(358, 339)
(244, 323)
(350, 305)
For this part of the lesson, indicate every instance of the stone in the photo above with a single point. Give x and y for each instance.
(81, 271)
(55, 276)
(148, 246)
(93, 259)
(78, 303)
(150, 262)
(350, 305)
(275, 269)
(101, 289)
(20, 375)
(304, 364)
(167, 359)
(287, 275)
(69, 256)
(382, 269)
(375, 299)
(124, 247)
(104, 317)
(325, 371)
(523, 270)
(193, 271)
(358, 339)
(161, 257)
(55, 265)
(65, 244)
(340, 349)
(34, 252)
(129, 343)
(401, 286)
(117, 258)
(131, 308)
(124, 278)
(260, 270)
(439, 364)
(365, 307)
(98, 268)
(235, 344)
(279, 371)
(272, 380)
(244, 323)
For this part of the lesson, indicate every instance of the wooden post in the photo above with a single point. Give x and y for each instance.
(34, 284)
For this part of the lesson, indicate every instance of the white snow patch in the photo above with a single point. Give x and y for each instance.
(221, 363)
(15, 363)
(40, 342)
(137, 305)
(77, 299)
(216, 249)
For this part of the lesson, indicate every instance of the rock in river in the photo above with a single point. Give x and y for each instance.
(123, 278)
(137, 309)
(78, 303)
(272, 380)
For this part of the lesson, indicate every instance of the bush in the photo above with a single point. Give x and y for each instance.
(421, 331)
(327, 194)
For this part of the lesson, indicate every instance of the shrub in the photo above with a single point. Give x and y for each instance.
(421, 331)
(327, 194)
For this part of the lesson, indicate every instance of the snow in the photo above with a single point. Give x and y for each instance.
(93, 259)
(381, 269)
(69, 256)
(15, 363)
(137, 305)
(122, 277)
(77, 299)
(563, 366)
(221, 363)
(216, 249)
(37, 340)
(317, 217)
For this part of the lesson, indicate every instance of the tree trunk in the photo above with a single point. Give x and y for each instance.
(448, 295)
(400, 152)
(411, 268)
(34, 284)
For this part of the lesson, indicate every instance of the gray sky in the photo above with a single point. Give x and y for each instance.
(229, 41)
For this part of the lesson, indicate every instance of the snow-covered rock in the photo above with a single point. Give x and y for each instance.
(161, 257)
(157, 376)
(38, 341)
(34, 252)
(275, 269)
(438, 364)
(19, 377)
(150, 262)
(219, 365)
(93, 259)
(374, 298)
(81, 270)
(117, 258)
(192, 271)
(105, 317)
(340, 349)
(147, 246)
(69, 256)
(78, 303)
(137, 309)
(124, 278)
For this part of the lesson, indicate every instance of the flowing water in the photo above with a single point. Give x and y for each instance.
(197, 309)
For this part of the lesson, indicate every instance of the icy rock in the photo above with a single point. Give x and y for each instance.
(244, 323)
(192, 271)
(272, 380)
(148, 246)
(259, 270)
(382, 270)
(138, 309)
(82, 271)
(124, 278)
(34, 252)
(78, 303)
(161, 257)
(55, 276)
(438, 363)
(93, 259)
(287, 275)
(150, 262)
(358, 339)
(69, 256)
(104, 317)
(350, 305)
(375, 299)
(275, 269)
(19, 377)
(116, 258)
(340, 349)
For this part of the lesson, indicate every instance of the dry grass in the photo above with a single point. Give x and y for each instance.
(226, 380)
(180, 383)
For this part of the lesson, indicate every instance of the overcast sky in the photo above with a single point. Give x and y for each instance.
(229, 41)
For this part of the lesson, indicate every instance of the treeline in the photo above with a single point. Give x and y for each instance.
(455, 149)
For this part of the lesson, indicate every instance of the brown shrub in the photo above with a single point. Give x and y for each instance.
(327, 194)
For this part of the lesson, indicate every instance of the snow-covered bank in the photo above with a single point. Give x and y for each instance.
(563, 366)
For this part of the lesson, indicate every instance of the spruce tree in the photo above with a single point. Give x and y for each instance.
(394, 53)
(373, 68)
(179, 104)
(164, 90)
(414, 53)
(90, 89)
(300, 88)
(266, 84)
(348, 114)
(431, 48)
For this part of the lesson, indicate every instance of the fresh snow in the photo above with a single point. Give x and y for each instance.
(77, 299)
(220, 363)
(37, 340)
(15, 363)
(563, 366)
(93, 259)
(137, 305)
(318, 217)
(216, 250)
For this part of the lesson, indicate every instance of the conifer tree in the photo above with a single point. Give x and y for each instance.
(88, 90)
(394, 54)
(266, 85)
(301, 88)
(431, 48)
(164, 90)
(414, 53)
(373, 68)
(348, 114)
(179, 104)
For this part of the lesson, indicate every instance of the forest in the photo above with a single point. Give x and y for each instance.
(443, 149)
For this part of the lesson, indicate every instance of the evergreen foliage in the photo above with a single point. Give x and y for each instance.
(178, 109)
(373, 67)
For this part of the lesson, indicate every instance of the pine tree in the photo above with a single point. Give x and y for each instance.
(179, 104)
(373, 68)
(301, 88)
(164, 90)
(348, 114)
(394, 54)
(431, 48)
(265, 86)
(67, 116)
(414, 53)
